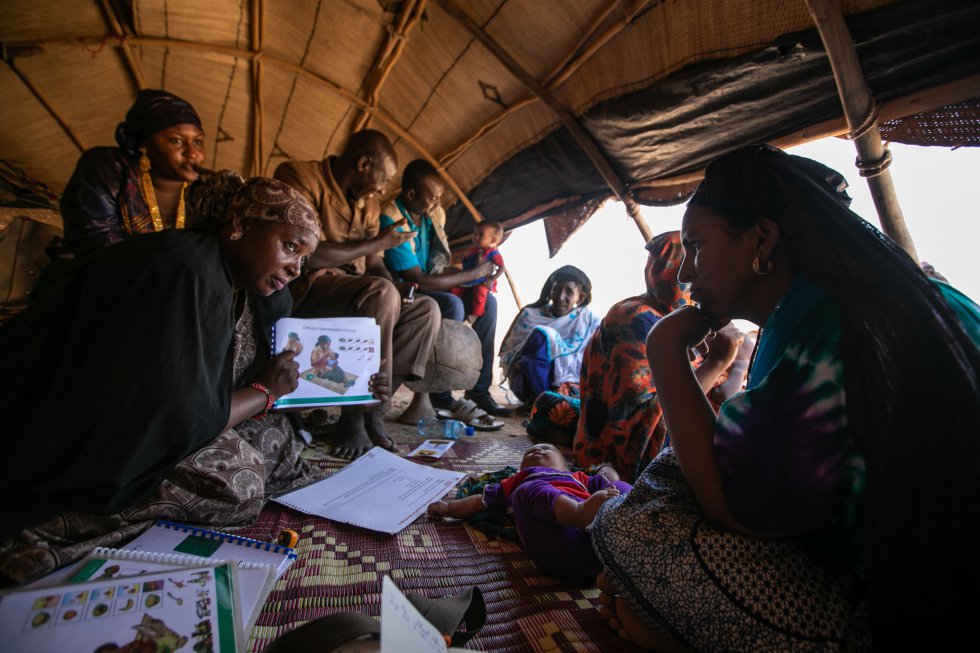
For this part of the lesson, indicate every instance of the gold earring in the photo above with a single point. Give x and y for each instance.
(236, 235)
(757, 267)
(144, 162)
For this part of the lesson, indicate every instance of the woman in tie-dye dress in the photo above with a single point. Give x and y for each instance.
(832, 505)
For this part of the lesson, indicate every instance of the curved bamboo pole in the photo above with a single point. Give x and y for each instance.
(388, 55)
(46, 103)
(561, 72)
(582, 137)
(116, 27)
(858, 103)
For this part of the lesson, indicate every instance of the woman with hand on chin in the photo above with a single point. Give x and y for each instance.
(142, 389)
(832, 504)
(139, 186)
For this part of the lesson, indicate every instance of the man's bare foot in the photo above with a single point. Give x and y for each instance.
(349, 437)
(375, 426)
(629, 626)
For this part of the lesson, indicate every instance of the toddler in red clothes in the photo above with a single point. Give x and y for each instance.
(486, 236)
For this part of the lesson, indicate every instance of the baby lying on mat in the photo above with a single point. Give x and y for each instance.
(552, 508)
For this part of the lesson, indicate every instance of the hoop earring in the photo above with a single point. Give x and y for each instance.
(757, 267)
(236, 235)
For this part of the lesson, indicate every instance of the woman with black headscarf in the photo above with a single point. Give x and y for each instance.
(620, 421)
(832, 505)
(543, 347)
(139, 186)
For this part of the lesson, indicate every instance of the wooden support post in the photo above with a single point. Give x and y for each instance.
(633, 209)
(256, 70)
(859, 105)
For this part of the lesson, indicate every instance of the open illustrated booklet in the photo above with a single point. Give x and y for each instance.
(380, 491)
(336, 357)
(189, 608)
(166, 546)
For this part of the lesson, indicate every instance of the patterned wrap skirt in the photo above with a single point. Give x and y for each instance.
(224, 483)
(716, 590)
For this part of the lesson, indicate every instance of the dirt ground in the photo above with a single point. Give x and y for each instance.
(408, 436)
(403, 434)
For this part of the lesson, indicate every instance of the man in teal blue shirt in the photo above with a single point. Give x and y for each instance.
(424, 261)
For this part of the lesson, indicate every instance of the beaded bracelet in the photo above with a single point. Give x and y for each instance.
(269, 400)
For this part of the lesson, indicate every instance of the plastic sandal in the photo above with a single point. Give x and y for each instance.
(466, 411)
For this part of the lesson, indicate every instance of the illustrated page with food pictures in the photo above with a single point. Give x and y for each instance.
(193, 607)
(336, 357)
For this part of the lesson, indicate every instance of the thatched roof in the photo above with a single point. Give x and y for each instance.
(486, 88)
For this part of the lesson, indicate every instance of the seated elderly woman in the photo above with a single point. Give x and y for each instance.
(543, 347)
(620, 421)
(141, 390)
(833, 503)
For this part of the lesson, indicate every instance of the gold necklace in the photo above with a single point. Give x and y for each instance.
(150, 196)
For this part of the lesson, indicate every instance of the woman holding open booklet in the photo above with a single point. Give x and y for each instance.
(142, 390)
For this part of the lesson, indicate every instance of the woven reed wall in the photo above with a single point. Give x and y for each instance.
(433, 90)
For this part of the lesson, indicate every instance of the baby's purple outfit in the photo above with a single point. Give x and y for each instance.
(557, 550)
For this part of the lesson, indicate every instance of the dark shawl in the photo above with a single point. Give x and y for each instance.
(104, 180)
(107, 385)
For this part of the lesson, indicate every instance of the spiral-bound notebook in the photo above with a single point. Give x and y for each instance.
(166, 537)
(186, 609)
(167, 545)
(252, 584)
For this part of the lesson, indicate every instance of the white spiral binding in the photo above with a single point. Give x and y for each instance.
(175, 559)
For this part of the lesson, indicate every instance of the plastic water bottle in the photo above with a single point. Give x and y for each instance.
(450, 429)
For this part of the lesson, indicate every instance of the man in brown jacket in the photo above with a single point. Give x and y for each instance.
(347, 276)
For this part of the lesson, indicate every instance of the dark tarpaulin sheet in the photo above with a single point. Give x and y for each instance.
(682, 122)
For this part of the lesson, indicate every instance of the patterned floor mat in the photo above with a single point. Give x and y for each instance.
(340, 568)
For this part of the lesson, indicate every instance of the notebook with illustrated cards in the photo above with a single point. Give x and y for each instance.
(190, 608)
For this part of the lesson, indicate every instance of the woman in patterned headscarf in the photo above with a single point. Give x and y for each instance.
(832, 505)
(620, 421)
(142, 389)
